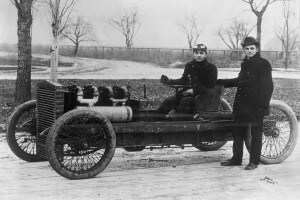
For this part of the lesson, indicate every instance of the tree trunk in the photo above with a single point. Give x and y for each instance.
(76, 49)
(23, 81)
(287, 45)
(258, 34)
(128, 42)
(190, 44)
(54, 59)
(286, 59)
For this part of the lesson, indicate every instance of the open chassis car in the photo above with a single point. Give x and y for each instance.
(77, 129)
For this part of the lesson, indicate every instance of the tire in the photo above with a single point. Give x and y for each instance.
(215, 145)
(80, 144)
(134, 149)
(225, 106)
(280, 134)
(21, 132)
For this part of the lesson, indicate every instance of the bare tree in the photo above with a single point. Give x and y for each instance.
(192, 29)
(60, 11)
(77, 31)
(258, 7)
(23, 81)
(128, 24)
(286, 33)
(233, 35)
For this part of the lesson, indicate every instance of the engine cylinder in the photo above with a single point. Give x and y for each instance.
(113, 113)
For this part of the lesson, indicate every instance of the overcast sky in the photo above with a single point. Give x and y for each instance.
(159, 19)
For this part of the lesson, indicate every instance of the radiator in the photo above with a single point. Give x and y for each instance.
(50, 106)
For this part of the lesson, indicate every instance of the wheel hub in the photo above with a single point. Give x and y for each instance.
(272, 132)
(85, 145)
(275, 132)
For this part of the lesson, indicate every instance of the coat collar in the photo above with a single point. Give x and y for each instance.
(253, 58)
(197, 63)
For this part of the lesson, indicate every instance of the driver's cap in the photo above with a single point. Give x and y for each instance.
(200, 47)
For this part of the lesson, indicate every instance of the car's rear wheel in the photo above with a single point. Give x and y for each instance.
(280, 134)
(134, 148)
(214, 145)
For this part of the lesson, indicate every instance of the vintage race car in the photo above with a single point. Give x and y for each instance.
(78, 128)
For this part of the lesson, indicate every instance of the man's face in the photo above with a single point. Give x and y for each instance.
(199, 55)
(250, 50)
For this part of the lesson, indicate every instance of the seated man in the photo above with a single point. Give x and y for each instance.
(199, 74)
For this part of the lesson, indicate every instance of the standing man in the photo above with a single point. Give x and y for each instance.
(199, 74)
(254, 90)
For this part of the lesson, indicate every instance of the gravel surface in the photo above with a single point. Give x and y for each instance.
(164, 174)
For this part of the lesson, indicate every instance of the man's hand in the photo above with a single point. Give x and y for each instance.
(188, 92)
(164, 79)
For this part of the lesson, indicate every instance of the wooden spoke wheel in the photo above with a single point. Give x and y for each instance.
(280, 134)
(215, 145)
(80, 144)
(135, 148)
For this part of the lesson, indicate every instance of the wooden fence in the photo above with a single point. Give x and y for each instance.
(159, 56)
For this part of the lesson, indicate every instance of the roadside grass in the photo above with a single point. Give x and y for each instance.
(286, 90)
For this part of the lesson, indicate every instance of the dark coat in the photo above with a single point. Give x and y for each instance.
(200, 75)
(254, 87)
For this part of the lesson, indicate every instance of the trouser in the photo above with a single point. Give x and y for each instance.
(182, 106)
(168, 104)
(239, 134)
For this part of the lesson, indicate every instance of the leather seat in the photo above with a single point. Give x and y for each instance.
(210, 101)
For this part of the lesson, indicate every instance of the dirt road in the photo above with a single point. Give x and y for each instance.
(158, 174)
(87, 68)
(167, 174)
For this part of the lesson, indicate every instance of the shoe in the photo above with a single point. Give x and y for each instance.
(250, 166)
(171, 114)
(230, 163)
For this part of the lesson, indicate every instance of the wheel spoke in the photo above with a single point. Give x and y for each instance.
(77, 144)
(277, 133)
(25, 133)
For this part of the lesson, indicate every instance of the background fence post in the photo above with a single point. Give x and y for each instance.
(103, 53)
